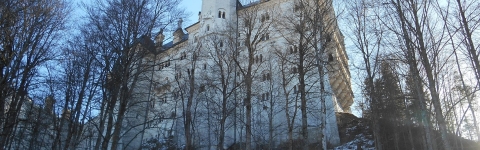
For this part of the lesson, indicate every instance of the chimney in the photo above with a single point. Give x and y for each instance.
(159, 39)
(49, 102)
(199, 16)
(66, 114)
(178, 34)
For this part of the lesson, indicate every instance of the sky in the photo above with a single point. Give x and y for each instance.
(192, 7)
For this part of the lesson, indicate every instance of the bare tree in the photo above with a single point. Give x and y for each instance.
(117, 25)
(251, 31)
(29, 33)
(456, 16)
(315, 42)
(221, 78)
(368, 45)
(418, 34)
(290, 94)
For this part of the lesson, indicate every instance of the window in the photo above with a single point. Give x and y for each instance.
(293, 49)
(265, 17)
(298, 7)
(160, 67)
(221, 14)
(208, 27)
(294, 70)
(189, 71)
(194, 57)
(205, 66)
(330, 58)
(258, 58)
(221, 43)
(176, 94)
(183, 56)
(266, 76)
(178, 75)
(166, 64)
(265, 96)
(328, 38)
(152, 103)
(163, 99)
(265, 37)
(295, 89)
(201, 89)
(247, 22)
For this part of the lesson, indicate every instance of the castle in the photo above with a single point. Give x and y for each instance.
(198, 79)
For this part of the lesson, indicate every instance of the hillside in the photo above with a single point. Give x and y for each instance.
(356, 132)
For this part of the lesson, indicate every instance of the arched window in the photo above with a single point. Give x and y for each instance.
(219, 14)
(223, 15)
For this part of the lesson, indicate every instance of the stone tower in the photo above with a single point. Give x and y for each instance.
(217, 14)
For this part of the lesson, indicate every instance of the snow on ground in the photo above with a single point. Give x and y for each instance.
(361, 141)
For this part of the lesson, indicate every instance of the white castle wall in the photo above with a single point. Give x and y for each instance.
(168, 88)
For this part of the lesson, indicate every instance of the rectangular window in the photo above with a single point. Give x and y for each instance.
(152, 103)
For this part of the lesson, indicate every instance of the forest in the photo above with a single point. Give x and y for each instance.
(66, 83)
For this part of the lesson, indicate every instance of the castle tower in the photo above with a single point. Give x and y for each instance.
(217, 14)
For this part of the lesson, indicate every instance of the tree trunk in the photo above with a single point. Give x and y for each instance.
(120, 116)
(188, 111)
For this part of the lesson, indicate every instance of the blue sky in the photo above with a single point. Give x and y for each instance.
(192, 7)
